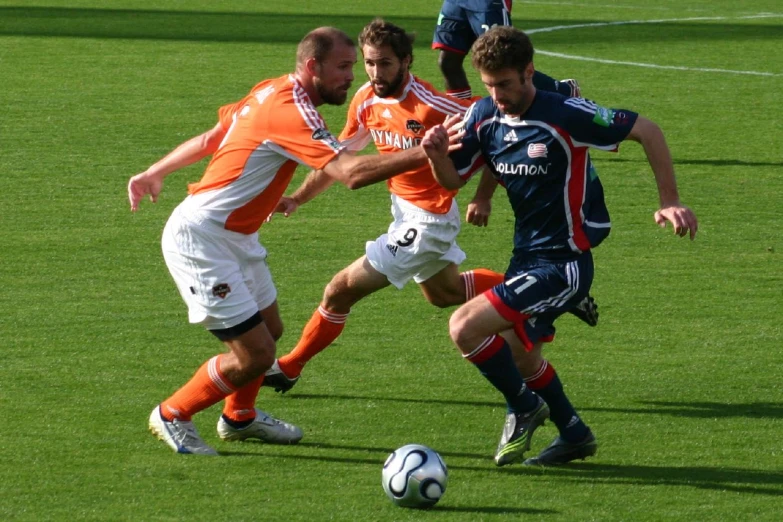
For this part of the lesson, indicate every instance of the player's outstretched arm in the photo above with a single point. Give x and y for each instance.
(652, 140)
(314, 184)
(150, 182)
(437, 143)
(480, 207)
(359, 171)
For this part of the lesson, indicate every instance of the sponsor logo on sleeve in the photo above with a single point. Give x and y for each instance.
(326, 136)
(620, 118)
(603, 117)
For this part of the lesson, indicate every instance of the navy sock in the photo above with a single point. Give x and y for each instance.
(499, 369)
(547, 385)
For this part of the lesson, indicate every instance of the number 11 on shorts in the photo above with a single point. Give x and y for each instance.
(529, 281)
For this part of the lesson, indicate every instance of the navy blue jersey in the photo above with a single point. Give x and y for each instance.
(542, 160)
(482, 6)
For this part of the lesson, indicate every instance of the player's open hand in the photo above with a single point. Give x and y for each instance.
(681, 217)
(478, 212)
(142, 184)
(436, 142)
(285, 206)
(454, 125)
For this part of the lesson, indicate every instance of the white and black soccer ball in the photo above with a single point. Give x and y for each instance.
(415, 476)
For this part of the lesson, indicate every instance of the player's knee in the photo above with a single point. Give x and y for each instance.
(444, 299)
(337, 298)
(458, 330)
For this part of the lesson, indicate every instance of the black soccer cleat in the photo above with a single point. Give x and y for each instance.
(518, 432)
(561, 452)
(586, 310)
(275, 378)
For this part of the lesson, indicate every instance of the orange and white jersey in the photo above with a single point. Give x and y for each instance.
(395, 124)
(268, 133)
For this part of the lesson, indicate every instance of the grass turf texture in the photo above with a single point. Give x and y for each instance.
(680, 381)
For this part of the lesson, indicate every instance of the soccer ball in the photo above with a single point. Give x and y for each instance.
(414, 476)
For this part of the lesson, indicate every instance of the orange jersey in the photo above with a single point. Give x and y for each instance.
(395, 124)
(268, 132)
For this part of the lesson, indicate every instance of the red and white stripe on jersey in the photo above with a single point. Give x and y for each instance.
(268, 132)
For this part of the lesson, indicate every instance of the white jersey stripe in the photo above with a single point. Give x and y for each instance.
(442, 104)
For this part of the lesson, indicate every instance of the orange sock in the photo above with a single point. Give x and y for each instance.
(479, 281)
(205, 388)
(241, 405)
(319, 332)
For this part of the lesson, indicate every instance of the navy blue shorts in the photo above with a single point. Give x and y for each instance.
(458, 28)
(535, 294)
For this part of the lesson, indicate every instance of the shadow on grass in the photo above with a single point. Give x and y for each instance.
(704, 410)
(495, 510)
(723, 479)
(738, 480)
(290, 27)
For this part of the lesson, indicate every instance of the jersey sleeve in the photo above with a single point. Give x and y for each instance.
(594, 126)
(355, 135)
(226, 114)
(301, 135)
(468, 159)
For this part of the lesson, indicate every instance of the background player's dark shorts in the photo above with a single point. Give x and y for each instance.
(458, 28)
(536, 293)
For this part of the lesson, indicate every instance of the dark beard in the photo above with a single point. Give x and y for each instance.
(330, 97)
(394, 85)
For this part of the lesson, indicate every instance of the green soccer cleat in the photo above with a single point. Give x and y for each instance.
(518, 432)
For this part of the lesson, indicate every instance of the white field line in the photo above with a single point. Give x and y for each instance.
(651, 65)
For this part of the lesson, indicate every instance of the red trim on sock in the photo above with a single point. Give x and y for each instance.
(542, 378)
(486, 350)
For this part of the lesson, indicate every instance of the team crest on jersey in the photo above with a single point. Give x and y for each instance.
(414, 126)
(221, 290)
(324, 135)
(536, 150)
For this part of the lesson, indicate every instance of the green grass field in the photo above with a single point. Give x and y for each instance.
(681, 380)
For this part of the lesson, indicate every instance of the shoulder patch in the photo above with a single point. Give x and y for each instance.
(603, 117)
(324, 135)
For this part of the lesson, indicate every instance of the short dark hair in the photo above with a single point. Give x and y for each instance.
(502, 47)
(319, 42)
(380, 33)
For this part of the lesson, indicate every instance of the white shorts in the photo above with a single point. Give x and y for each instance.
(418, 245)
(222, 275)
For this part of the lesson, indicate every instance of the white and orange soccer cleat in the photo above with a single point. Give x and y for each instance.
(181, 436)
(264, 427)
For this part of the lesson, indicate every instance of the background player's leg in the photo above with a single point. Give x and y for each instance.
(239, 408)
(452, 67)
(345, 289)
(449, 287)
